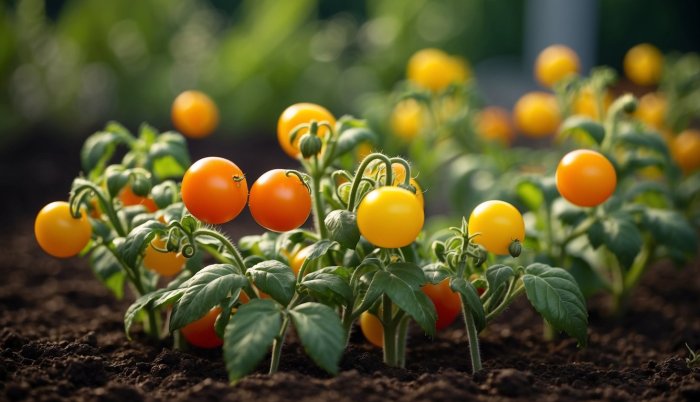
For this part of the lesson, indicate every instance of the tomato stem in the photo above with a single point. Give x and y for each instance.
(401, 338)
(472, 335)
(389, 348)
(359, 176)
(318, 208)
(277, 346)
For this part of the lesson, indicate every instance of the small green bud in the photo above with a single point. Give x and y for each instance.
(515, 248)
(310, 145)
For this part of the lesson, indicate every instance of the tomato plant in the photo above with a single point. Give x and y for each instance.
(536, 114)
(498, 224)
(586, 178)
(214, 190)
(554, 63)
(295, 115)
(643, 64)
(280, 200)
(390, 217)
(59, 233)
(128, 198)
(447, 303)
(194, 114)
(201, 333)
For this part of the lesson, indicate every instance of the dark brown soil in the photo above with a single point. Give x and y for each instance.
(61, 338)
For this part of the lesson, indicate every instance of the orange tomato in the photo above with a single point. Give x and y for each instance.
(128, 198)
(555, 63)
(585, 178)
(447, 303)
(165, 264)
(493, 124)
(537, 114)
(201, 333)
(372, 329)
(685, 149)
(294, 115)
(194, 114)
(652, 109)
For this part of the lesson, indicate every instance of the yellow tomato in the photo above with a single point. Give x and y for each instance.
(652, 109)
(685, 149)
(537, 114)
(555, 63)
(643, 64)
(585, 103)
(407, 119)
(435, 70)
(493, 124)
(372, 329)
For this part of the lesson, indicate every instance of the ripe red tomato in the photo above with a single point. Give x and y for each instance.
(295, 115)
(128, 198)
(447, 303)
(585, 178)
(201, 333)
(214, 190)
(279, 201)
(194, 114)
(58, 233)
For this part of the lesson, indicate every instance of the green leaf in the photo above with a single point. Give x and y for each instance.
(671, 229)
(321, 333)
(409, 273)
(554, 293)
(571, 216)
(329, 287)
(275, 279)
(414, 302)
(249, 335)
(621, 236)
(342, 227)
(204, 290)
(138, 239)
(469, 295)
(498, 276)
(530, 194)
(352, 137)
(319, 249)
(587, 279)
(156, 299)
(99, 148)
(575, 124)
(165, 194)
(377, 287)
(436, 273)
(168, 158)
(108, 270)
(651, 141)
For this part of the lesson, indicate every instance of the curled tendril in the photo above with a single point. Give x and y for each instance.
(188, 250)
(341, 173)
(303, 177)
(406, 166)
(359, 175)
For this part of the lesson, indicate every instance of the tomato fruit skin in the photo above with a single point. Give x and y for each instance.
(390, 217)
(214, 190)
(58, 233)
(201, 333)
(447, 303)
(652, 109)
(435, 70)
(537, 114)
(164, 264)
(128, 198)
(685, 149)
(643, 64)
(407, 119)
(555, 63)
(297, 260)
(498, 224)
(399, 176)
(194, 114)
(279, 202)
(372, 329)
(300, 113)
(493, 124)
(585, 178)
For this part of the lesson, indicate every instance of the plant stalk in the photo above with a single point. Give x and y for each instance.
(472, 336)
(277, 347)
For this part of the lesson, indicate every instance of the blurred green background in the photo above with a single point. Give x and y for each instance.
(68, 66)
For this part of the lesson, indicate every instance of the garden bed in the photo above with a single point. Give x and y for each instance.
(62, 339)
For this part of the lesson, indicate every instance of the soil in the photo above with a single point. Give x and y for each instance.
(61, 338)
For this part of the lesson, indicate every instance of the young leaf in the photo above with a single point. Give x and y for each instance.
(409, 273)
(436, 273)
(249, 335)
(99, 148)
(554, 293)
(168, 159)
(352, 137)
(108, 270)
(156, 299)
(469, 295)
(497, 277)
(275, 279)
(342, 227)
(650, 141)
(319, 249)
(414, 302)
(328, 286)
(377, 287)
(622, 237)
(204, 290)
(138, 239)
(583, 124)
(321, 333)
